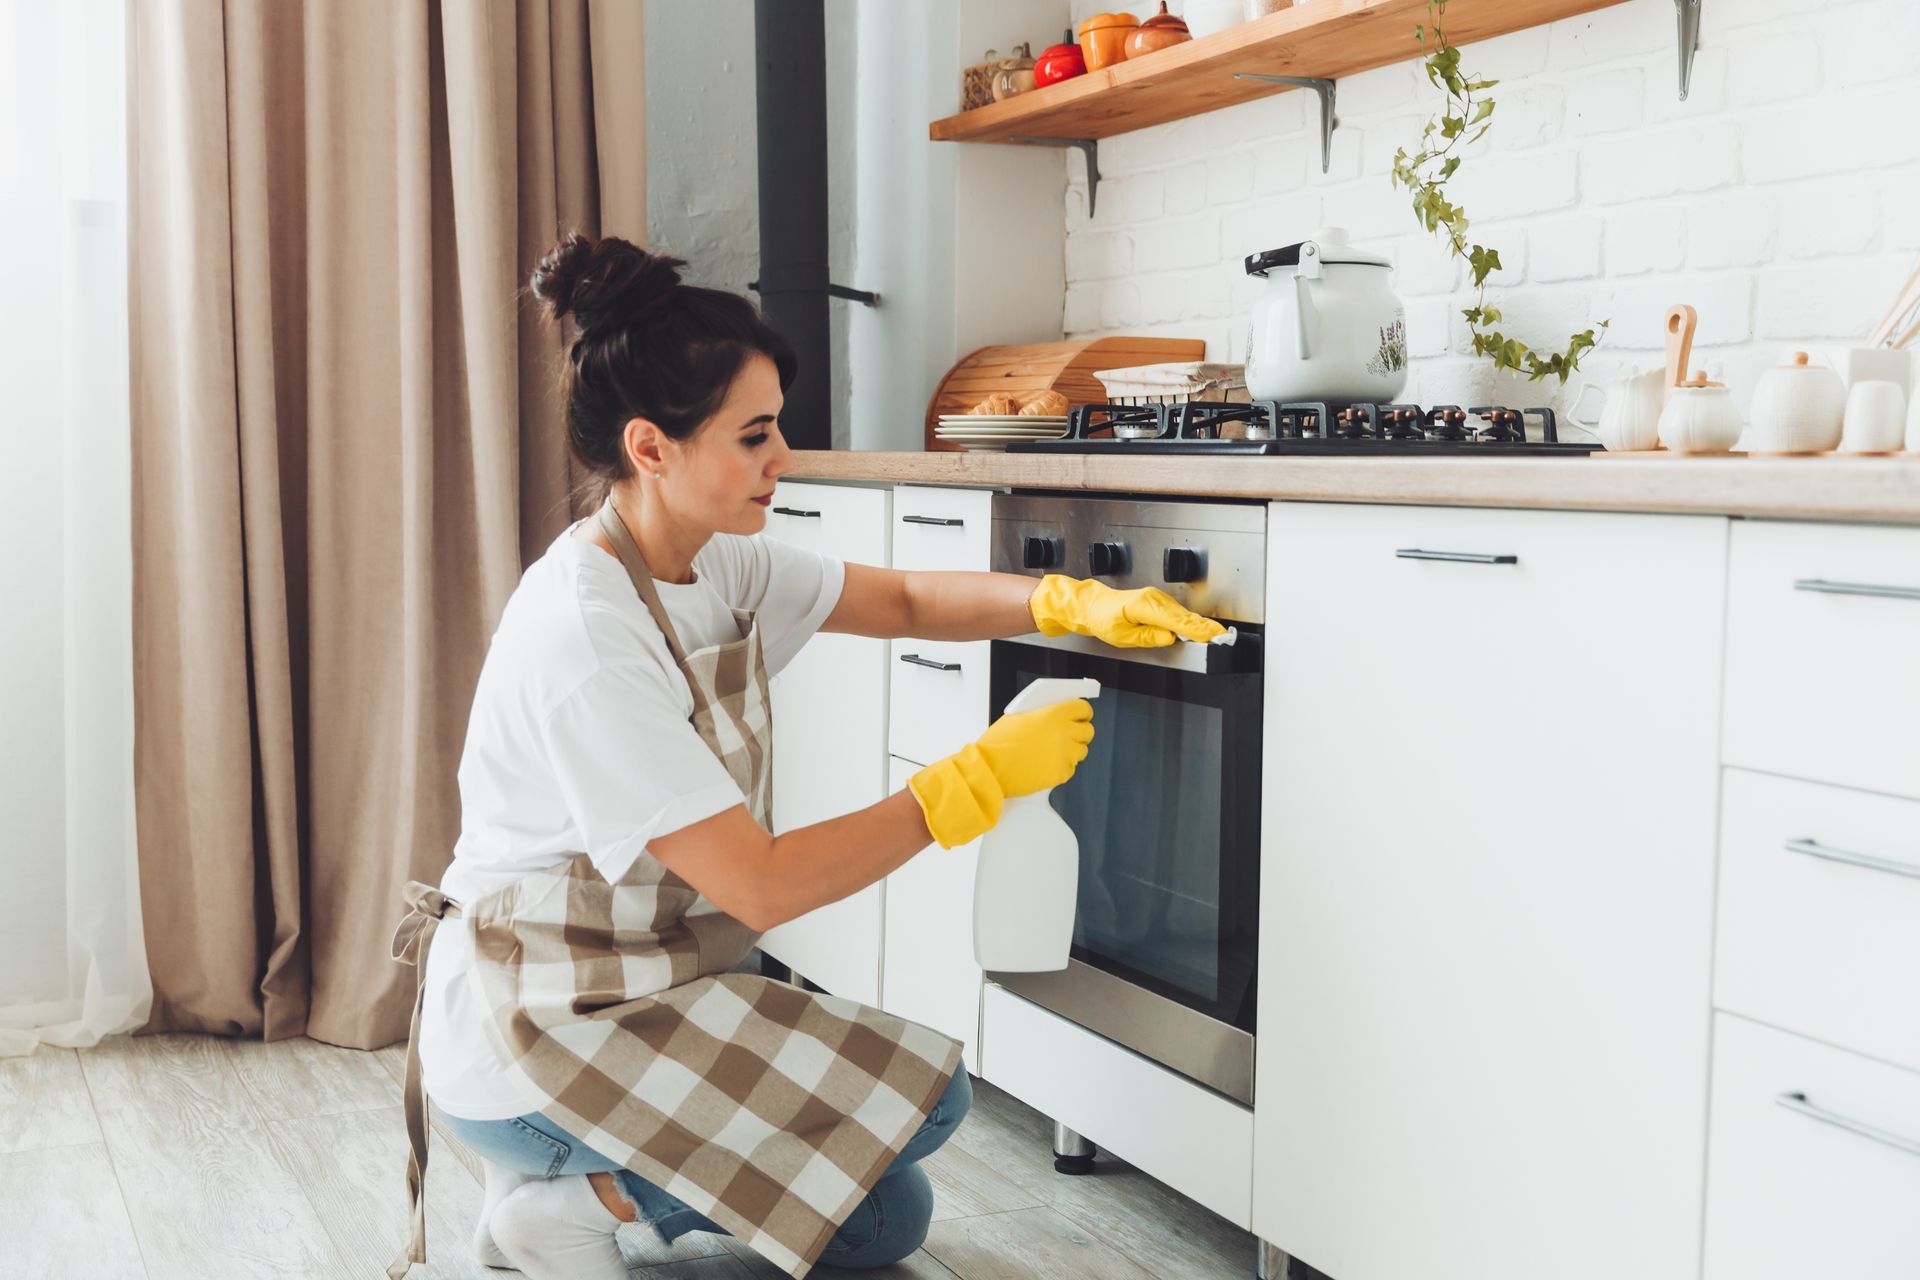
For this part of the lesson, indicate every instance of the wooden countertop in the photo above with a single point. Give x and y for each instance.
(1881, 489)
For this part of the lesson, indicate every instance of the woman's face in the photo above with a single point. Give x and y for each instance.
(721, 477)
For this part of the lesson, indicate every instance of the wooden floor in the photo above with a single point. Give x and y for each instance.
(194, 1158)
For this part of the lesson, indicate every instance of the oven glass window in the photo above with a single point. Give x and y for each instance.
(1166, 809)
(1146, 806)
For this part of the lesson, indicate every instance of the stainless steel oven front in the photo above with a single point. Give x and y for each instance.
(1167, 804)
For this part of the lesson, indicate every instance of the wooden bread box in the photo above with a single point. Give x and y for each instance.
(1020, 369)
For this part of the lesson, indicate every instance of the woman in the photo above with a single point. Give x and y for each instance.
(580, 1025)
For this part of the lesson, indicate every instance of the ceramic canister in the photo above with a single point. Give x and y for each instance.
(1700, 417)
(1875, 418)
(1797, 408)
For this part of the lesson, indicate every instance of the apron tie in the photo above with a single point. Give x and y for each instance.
(426, 908)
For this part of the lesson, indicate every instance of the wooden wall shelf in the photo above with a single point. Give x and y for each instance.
(1322, 39)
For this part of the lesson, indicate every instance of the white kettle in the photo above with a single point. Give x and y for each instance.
(1327, 326)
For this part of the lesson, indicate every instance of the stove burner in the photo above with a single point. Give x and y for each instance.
(1306, 427)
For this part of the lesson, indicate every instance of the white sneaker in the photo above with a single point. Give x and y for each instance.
(557, 1229)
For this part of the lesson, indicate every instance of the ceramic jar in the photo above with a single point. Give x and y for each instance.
(1700, 417)
(1875, 418)
(1103, 38)
(1629, 411)
(1204, 17)
(1059, 62)
(1913, 424)
(1015, 75)
(1797, 408)
(1161, 31)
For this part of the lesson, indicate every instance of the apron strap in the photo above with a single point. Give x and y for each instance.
(636, 566)
(426, 907)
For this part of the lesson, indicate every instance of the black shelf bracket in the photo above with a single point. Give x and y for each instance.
(1323, 87)
(1085, 146)
(1688, 14)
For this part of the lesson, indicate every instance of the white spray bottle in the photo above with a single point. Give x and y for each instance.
(1027, 886)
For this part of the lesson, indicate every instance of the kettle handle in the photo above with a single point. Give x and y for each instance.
(1303, 307)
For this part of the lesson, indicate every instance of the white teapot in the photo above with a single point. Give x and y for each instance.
(1700, 417)
(1327, 326)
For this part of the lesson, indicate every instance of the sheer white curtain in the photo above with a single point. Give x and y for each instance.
(72, 963)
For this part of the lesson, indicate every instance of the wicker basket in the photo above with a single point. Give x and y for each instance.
(1175, 383)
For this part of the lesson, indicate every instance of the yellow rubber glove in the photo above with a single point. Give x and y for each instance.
(1019, 754)
(1142, 619)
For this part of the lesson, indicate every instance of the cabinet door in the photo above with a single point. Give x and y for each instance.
(1486, 891)
(931, 977)
(830, 738)
(1815, 1167)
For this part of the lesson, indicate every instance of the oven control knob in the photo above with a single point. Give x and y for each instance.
(1041, 553)
(1183, 564)
(1107, 559)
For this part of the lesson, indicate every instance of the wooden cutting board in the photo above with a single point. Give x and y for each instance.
(1021, 369)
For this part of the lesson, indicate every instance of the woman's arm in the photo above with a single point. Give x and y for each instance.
(763, 880)
(988, 606)
(890, 603)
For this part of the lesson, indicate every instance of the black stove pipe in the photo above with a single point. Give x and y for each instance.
(790, 53)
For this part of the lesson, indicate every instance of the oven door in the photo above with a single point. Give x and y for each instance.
(1167, 810)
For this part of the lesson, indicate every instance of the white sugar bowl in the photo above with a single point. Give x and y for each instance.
(1700, 417)
(1797, 408)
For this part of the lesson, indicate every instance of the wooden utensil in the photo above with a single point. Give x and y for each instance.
(1681, 322)
(1066, 367)
(1903, 303)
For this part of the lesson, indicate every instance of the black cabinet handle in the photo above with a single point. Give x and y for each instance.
(939, 520)
(1824, 587)
(919, 661)
(1454, 557)
(795, 511)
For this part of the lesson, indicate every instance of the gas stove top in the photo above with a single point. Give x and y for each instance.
(1308, 428)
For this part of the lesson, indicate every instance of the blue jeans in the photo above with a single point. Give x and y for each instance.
(883, 1228)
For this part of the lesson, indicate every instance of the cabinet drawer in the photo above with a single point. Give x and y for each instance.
(1823, 674)
(938, 689)
(842, 521)
(938, 697)
(941, 528)
(1819, 925)
(1793, 1192)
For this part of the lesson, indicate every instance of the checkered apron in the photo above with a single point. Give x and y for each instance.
(771, 1110)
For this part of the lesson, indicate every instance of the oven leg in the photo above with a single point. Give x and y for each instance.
(1071, 1152)
(1269, 1263)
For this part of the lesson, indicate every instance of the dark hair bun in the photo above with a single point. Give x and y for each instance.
(601, 283)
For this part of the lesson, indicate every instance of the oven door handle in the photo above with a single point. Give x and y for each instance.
(1245, 657)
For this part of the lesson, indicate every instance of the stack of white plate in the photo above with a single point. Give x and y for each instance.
(997, 431)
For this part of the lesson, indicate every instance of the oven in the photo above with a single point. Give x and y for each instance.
(1167, 804)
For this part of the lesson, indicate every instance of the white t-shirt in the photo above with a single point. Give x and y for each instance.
(579, 742)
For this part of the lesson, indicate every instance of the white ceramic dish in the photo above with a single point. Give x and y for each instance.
(1002, 419)
(1042, 433)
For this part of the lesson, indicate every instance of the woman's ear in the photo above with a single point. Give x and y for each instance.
(641, 442)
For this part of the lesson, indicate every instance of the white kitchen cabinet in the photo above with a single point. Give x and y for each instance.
(1815, 1164)
(1487, 891)
(931, 977)
(1819, 924)
(1823, 625)
(830, 738)
(939, 689)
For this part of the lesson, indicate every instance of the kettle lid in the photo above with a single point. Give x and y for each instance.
(1330, 245)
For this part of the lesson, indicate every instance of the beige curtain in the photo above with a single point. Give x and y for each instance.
(347, 443)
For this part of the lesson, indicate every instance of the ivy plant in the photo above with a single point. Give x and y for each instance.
(1464, 119)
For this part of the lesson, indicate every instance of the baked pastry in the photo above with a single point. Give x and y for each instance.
(1044, 404)
(999, 403)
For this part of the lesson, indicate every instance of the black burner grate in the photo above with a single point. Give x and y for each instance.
(1308, 427)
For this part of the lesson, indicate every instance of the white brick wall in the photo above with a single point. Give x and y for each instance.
(1782, 199)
